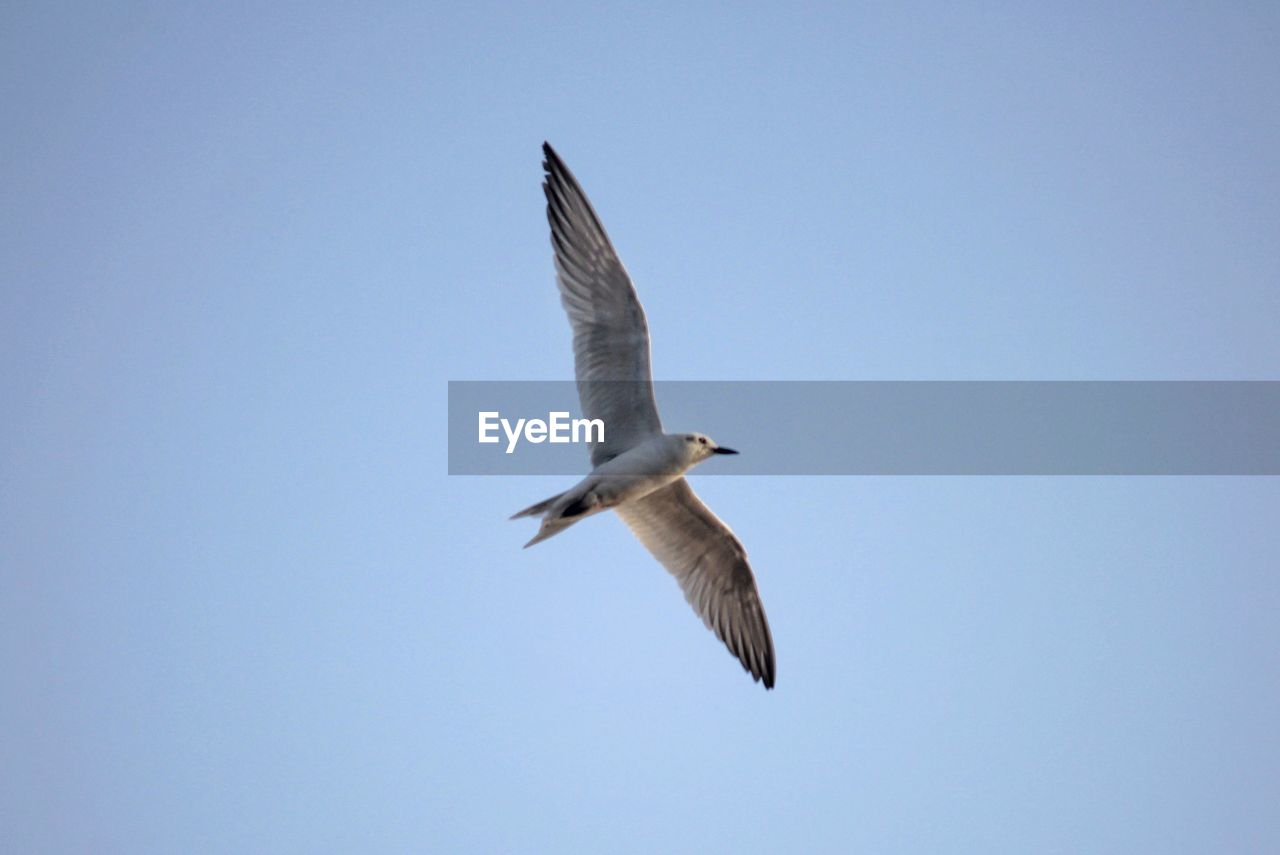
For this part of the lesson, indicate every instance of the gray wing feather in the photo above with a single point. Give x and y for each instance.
(711, 566)
(610, 333)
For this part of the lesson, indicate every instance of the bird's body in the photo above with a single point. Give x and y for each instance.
(635, 473)
(639, 470)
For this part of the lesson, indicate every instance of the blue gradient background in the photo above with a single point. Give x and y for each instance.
(243, 247)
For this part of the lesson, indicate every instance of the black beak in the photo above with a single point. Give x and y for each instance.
(720, 449)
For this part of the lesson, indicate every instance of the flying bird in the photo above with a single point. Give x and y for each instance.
(638, 470)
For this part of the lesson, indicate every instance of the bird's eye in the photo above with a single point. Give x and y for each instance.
(702, 439)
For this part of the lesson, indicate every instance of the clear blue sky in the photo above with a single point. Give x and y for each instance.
(244, 246)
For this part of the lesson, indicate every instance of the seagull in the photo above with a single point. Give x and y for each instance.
(638, 470)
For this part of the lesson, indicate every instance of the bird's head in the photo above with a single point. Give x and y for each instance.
(697, 447)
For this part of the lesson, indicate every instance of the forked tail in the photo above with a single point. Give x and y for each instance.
(553, 525)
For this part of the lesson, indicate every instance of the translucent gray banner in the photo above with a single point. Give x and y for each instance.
(895, 428)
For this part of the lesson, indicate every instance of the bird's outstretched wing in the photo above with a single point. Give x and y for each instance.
(711, 566)
(610, 334)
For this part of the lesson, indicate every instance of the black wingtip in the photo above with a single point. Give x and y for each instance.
(766, 667)
(552, 159)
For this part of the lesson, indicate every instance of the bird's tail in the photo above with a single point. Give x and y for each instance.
(540, 508)
(550, 528)
(561, 519)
